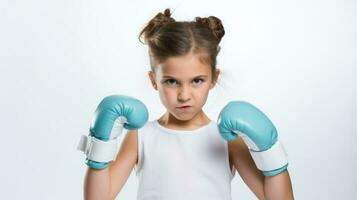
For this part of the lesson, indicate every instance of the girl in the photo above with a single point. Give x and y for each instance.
(181, 155)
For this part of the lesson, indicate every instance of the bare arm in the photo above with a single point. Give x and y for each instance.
(97, 184)
(106, 184)
(278, 187)
(265, 188)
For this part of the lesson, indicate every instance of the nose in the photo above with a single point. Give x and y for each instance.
(184, 94)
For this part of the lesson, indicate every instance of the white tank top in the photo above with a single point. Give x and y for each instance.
(179, 164)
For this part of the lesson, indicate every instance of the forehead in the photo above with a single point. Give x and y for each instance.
(186, 66)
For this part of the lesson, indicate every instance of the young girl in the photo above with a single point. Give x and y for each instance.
(181, 155)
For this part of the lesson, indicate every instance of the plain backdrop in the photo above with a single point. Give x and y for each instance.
(295, 60)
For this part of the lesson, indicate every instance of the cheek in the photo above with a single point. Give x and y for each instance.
(204, 89)
(167, 95)
(166, 92)
(202, 94)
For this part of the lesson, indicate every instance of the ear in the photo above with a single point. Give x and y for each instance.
(215, 78)
(152, 79)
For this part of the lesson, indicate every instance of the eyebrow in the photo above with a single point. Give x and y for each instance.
(199, 76)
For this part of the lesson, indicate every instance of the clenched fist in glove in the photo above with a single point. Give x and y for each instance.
(242, 119)
(112, 115)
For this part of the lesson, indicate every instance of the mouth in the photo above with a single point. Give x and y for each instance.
(185, 108)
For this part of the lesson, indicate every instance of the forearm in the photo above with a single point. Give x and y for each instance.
(97, 184)
(278, 187)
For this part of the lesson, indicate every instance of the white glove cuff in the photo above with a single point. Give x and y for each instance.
(98, 150)
(271, 159)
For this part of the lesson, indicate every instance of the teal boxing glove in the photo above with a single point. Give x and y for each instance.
(242, 119)
(113, 113)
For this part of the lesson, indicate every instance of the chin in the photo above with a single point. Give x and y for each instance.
(183, 116)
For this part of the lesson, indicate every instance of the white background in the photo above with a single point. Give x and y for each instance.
(295, 60)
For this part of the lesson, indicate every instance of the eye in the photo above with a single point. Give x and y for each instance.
(170, 81)
(198, 80)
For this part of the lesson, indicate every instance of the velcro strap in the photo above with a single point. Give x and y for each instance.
(98, 150)
(271, 159)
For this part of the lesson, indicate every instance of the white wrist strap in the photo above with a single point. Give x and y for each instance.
(271, 159)
(98, 150)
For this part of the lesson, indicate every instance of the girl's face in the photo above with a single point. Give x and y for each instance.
(183, 81)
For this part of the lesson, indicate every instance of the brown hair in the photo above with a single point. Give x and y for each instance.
(167, 37)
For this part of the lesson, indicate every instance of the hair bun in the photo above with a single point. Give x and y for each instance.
(160, 20)
(163, 18)
(213, 23)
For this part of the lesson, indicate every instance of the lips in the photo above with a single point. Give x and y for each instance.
(184, 107)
